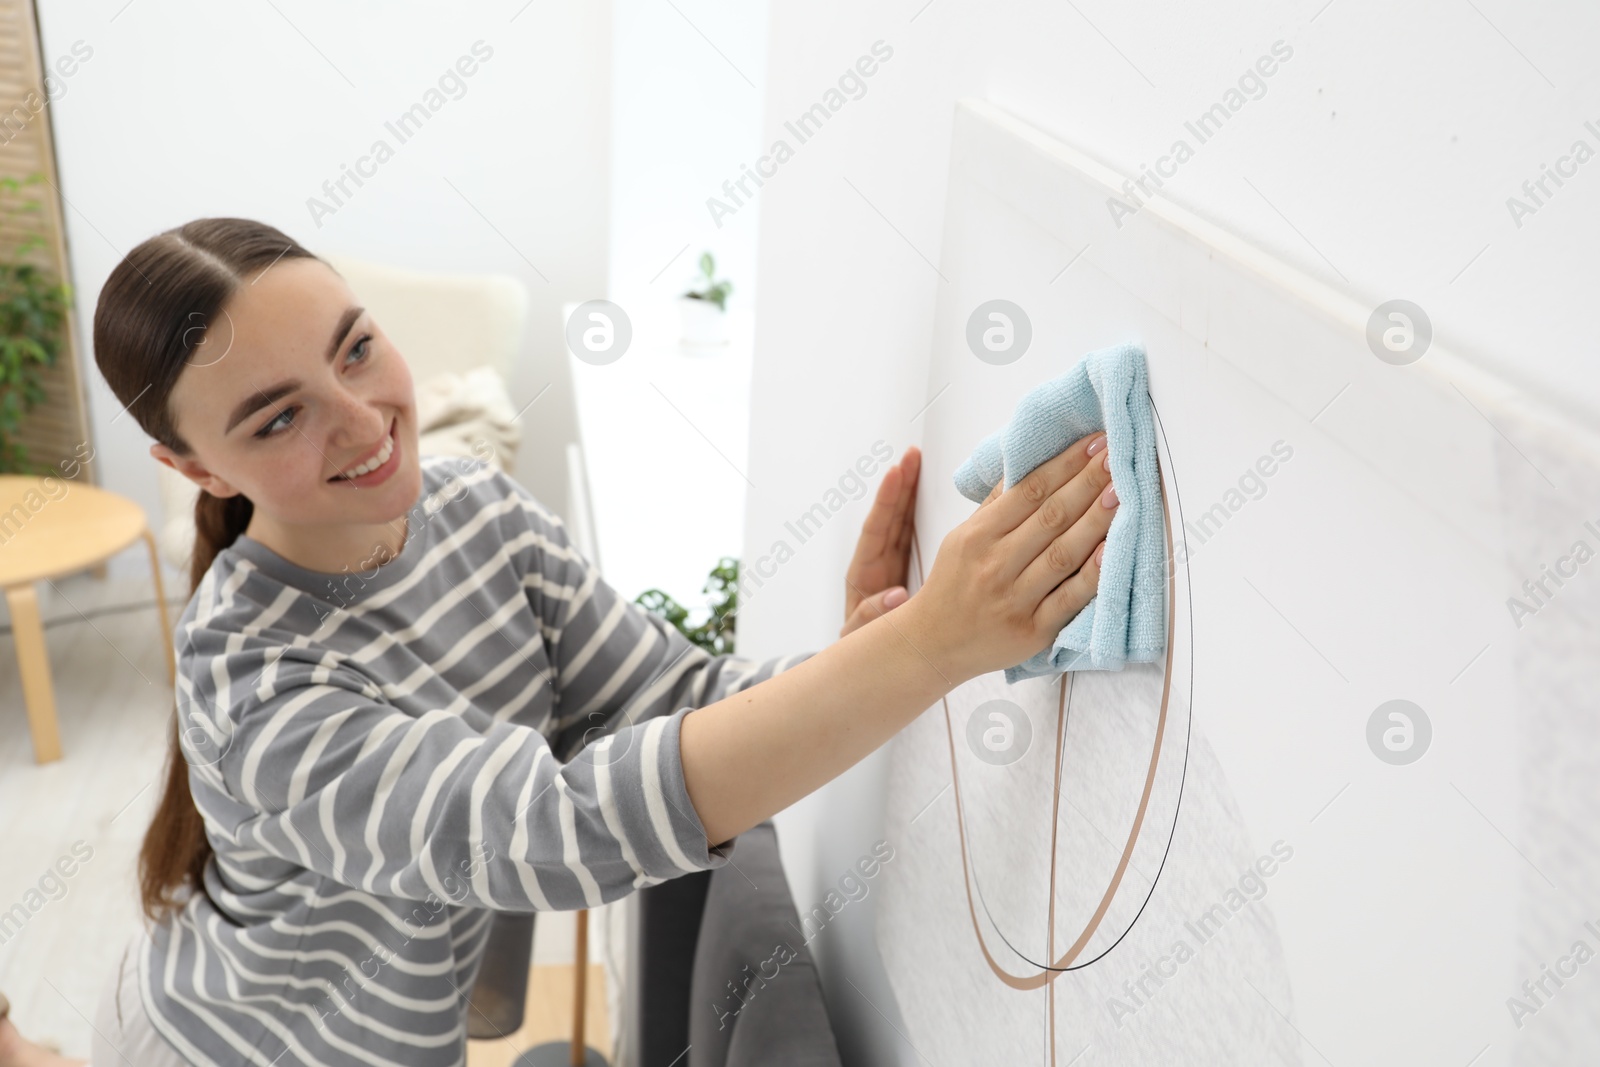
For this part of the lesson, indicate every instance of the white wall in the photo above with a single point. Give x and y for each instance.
(1383, 151)
(666, 427)
(688, 84)
(186, 110)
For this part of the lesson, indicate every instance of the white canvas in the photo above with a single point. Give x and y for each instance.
(1373, 564)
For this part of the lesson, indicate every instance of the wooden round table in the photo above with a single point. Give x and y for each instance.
(50, 527)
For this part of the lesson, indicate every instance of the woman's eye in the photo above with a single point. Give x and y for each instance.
(268, 430)
(359, 352)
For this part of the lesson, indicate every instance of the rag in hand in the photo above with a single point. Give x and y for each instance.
(1106, 390)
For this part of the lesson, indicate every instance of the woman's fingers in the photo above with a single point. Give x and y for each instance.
(875, 606)
(1069, 528)
(905, 513)
(1039, 539)
(882, 552)
(1008, 578)
(1017, 504)
(1072, 595)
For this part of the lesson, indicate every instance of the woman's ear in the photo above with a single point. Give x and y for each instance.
(192, 470)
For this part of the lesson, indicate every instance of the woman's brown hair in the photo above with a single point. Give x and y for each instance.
(149, 324)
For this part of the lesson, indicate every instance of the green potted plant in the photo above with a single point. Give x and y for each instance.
(704, 307)
(33, 315)
(715, 634)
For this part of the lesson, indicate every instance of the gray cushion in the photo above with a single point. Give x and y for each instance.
(755, 999)
(500, 989)
(660, 960)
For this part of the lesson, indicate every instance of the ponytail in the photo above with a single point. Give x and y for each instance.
(173, 858)
(218, 522)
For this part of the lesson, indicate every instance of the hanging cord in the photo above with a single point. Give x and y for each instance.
(1048, 972)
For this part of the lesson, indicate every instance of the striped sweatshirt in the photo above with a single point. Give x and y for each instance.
(385, 758)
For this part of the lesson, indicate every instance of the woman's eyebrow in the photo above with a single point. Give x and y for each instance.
(262, 397)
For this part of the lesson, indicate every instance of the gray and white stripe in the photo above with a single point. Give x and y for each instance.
(378, 759)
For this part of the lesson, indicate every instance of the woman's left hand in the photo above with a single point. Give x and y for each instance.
(875, 581)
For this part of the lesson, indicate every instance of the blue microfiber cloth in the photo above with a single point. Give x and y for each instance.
(1106, 390)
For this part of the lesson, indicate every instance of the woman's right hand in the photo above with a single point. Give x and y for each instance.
(1019, 568)
(1004, 583)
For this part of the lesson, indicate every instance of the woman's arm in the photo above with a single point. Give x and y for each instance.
(755, 753)
(1003, 584)
(614, 663)
(316, 768)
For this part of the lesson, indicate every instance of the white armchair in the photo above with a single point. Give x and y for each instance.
(460, 335)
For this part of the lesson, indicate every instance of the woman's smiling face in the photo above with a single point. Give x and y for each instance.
(294, 385)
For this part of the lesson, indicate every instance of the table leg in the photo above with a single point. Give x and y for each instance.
(37, 692)
(161, 606)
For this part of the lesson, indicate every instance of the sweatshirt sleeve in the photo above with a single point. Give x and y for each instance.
(301, 759)
(617, 663)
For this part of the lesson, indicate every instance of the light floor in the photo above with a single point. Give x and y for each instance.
(113, 704)
(112, 701)
(549, 1017)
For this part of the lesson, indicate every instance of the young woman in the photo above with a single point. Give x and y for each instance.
(386, 657)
